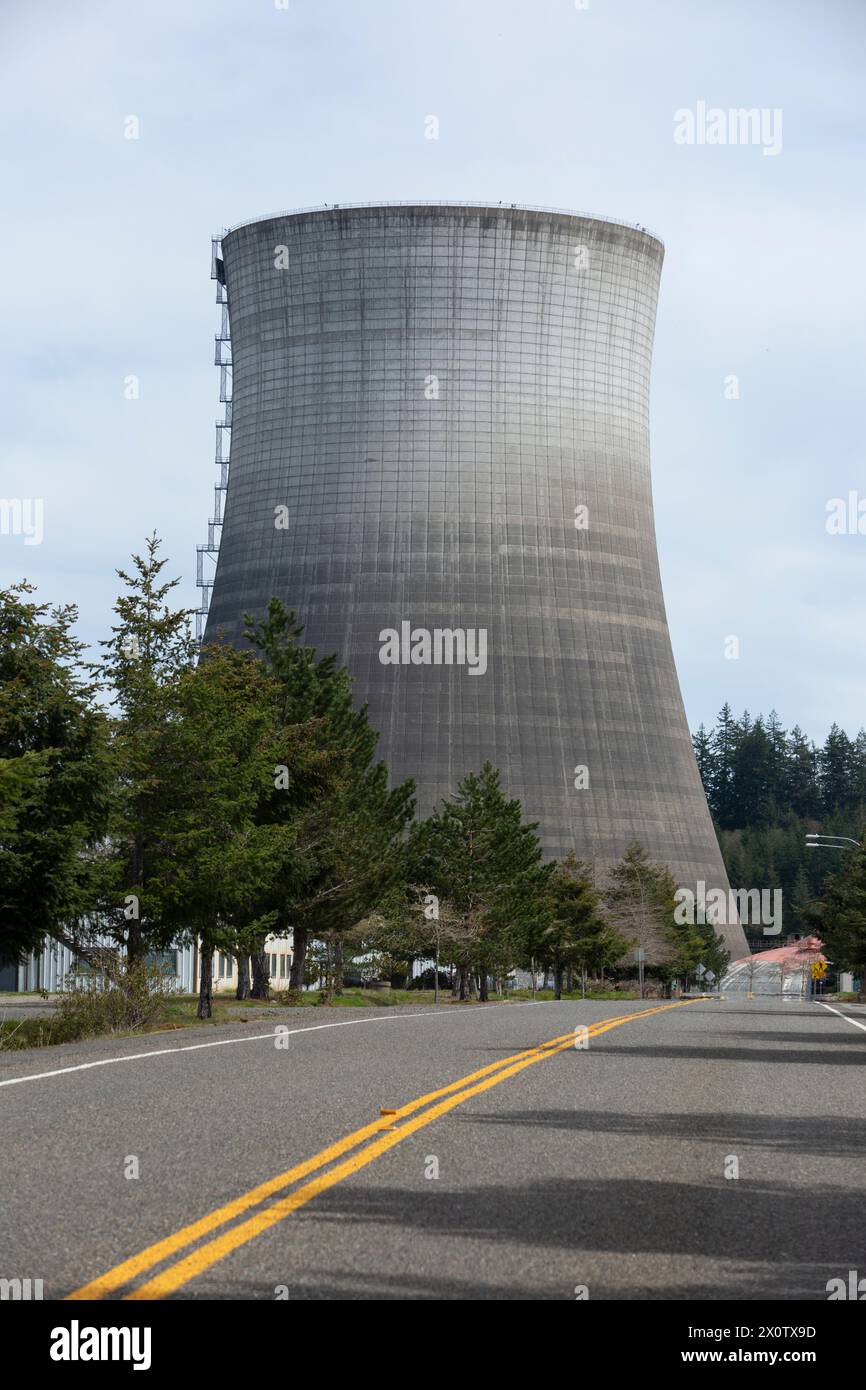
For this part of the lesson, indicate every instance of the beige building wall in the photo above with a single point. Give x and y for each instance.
(225, 968)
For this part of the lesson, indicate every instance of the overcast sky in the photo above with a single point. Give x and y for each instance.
(246, 108)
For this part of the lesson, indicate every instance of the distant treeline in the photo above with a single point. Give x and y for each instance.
(767, 788)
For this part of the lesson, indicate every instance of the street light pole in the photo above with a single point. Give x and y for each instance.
(831, 842)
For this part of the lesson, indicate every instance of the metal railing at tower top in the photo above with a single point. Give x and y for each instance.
(446, 203)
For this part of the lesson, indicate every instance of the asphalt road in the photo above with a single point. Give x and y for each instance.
(602, 1166)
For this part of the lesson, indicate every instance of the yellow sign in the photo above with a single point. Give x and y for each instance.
(819, 969)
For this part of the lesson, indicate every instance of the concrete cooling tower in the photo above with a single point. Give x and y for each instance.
(440, 458)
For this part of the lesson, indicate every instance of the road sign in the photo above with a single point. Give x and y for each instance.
(709, 976)
(700, 971)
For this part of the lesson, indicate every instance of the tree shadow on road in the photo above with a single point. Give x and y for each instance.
(827, 1136)
(682, 1052)
(776, 1242)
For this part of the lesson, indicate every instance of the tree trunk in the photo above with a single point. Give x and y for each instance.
(299, 956)
(243, 989)
(464, 986)
(205, 979)
(261, 973)
(134, 944)
(338, 965)
(482, 985)
(134, 939)
(557, 980)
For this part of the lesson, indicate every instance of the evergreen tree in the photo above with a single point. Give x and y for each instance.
(54, 774)
(210, 853)
(777, 752)
(150, 650)
(800, 899)
(577, 934)
(703, 746)
(751, 769)
(841, 916)
(836, 771)
(481, 857)
(858, 771)
(639, 898)
(800, 791)
(721, 793)
(349, 826)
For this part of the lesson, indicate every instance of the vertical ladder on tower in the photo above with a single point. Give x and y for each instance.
(206, 555)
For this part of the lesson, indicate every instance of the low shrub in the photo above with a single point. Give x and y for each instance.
(122, 1002)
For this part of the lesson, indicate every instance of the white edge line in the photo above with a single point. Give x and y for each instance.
(224, 1042)
(845, 1016)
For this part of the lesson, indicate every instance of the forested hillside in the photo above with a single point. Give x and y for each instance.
(767, 788)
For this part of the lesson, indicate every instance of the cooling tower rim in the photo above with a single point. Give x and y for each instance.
(424, 203)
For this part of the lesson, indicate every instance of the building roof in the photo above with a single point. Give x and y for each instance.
(798, 953)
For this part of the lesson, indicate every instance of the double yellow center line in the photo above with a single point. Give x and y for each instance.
(381, 1139)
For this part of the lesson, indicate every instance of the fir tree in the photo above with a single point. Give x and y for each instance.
(349, 826)
(841, 916)
(54, 774)
(800, 791)
(721, 793)
(481, 857)
(578, 934)
(210, 853)
(639, 898)
(150, 649)
(800, 899)
(836, 771)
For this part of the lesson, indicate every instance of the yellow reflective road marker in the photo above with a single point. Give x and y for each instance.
(456, 1092)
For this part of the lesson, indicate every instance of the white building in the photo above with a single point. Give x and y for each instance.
(53, 969)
